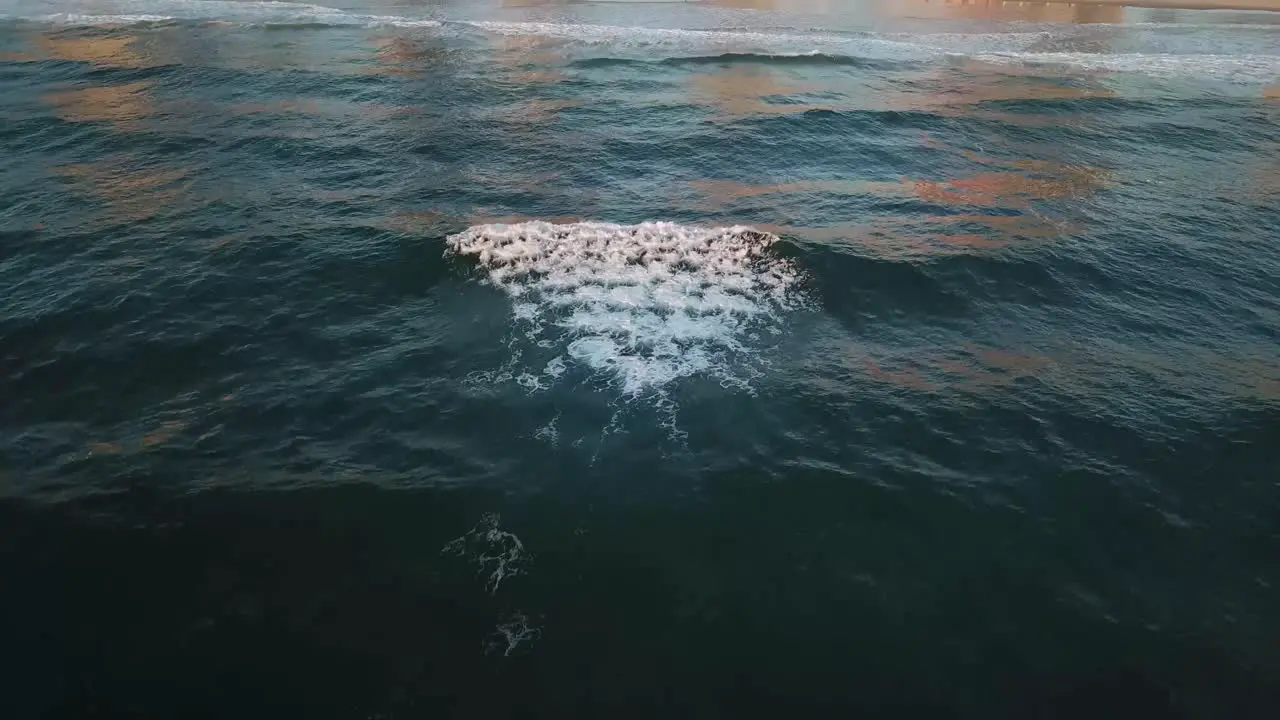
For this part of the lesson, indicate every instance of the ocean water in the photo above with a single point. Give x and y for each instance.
(711, 360)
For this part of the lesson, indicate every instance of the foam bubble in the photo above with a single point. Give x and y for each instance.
(549, 432)
(639, 305)
(510, 634)
(492, 549)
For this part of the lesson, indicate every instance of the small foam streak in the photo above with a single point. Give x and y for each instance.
(493, 549)
(511, 634)
(640, 305)
(1233, 68)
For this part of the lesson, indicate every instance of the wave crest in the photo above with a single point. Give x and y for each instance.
(642, 305)
(234, 12)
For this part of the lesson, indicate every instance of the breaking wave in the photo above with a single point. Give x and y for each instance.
(1231, 68)
(266, 12)
(1159, 56)
(812, 57)
(638, 305)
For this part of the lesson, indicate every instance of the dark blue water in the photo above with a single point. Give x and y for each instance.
(644, 360)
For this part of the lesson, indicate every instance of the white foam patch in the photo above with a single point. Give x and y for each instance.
(79, 20)
(1245, 69)
(638, 305)
(614, 34)
(969, 43)
(1234, 57)
(267, 12)
(495, 551)
(776, 43)
(510, 634)
(549, 433)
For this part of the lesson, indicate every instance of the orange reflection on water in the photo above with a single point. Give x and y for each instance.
(904, 241)
(166, 432)
(525, 60)
(534, 112)
(1008, 361)
(533, 77)
(906, 237)
(907, 378)
(1024, 182)
(1004, 190)
(122, 105)
(921, 239)
(740, 92)
(131, 194)
(971, 368)
(888, 239)
(1246, 374)
(1268, 388)
(977, 90)
(991, 82)
(402, 56)
(105, 448)
(972, 241)
(105, 51)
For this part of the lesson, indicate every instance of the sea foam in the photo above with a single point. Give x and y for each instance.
(638, 305)
(235, 12)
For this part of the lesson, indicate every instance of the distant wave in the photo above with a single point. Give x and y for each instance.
(740, 41)
(1266, 27)
(79, 20)
(773, 46)
(801, 58)
(615, 34)
(1235, 68)
(266, 12)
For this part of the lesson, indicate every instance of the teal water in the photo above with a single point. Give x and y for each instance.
(637, 359)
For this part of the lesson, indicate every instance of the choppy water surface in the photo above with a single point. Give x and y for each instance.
(598, 359)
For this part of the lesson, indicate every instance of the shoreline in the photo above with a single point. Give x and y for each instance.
(979, 5)
(1238, 5)
(1062, 11)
